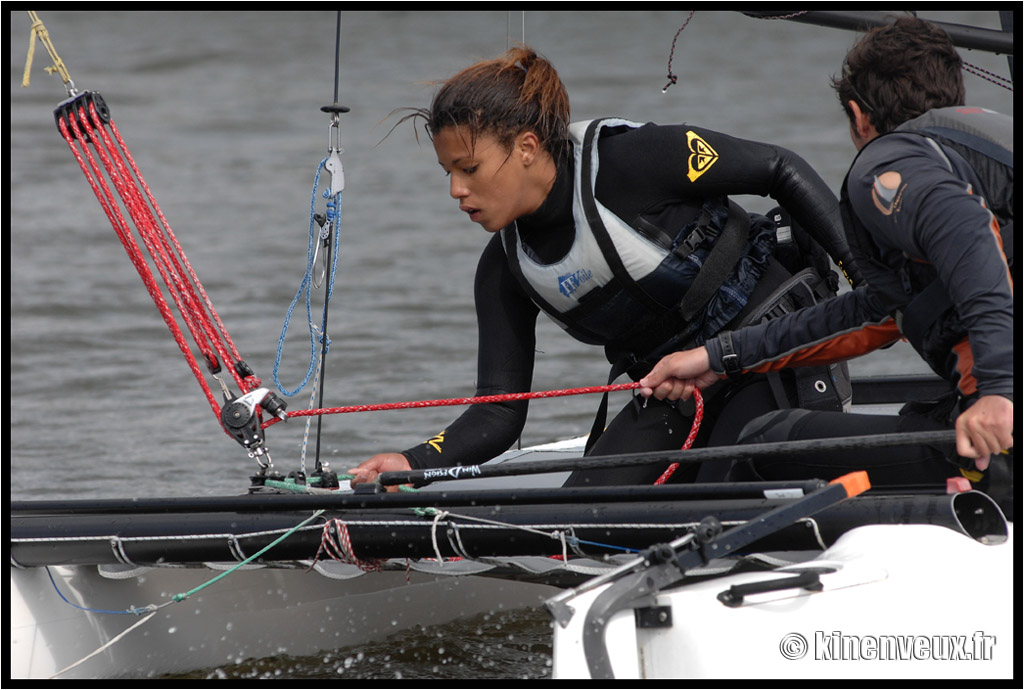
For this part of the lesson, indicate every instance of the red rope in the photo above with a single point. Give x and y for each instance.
(336, 543)
(225, 337)
(457, 401)
(183, 284)
(698, 415)
(89, 139)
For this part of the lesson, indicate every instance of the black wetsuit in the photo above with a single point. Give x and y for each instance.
(650, 176)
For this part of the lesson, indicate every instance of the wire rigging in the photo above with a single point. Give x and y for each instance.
(328, 224)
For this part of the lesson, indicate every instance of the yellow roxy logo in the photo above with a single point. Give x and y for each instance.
(702, 156)
(436, 442)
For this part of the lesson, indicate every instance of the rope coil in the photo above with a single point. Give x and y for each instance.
(306, 285)
(337, 544)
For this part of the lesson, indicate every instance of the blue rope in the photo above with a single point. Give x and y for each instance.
(305, 287)
(82, 608)
(615, 547)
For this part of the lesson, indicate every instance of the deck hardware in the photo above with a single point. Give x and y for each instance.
(809, 580)
(653, 617)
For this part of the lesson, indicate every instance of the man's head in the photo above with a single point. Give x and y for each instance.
(899, 71)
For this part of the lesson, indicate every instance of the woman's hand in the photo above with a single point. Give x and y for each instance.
(677, 374)
(382, 462)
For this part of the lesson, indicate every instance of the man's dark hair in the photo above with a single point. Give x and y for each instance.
(899, 71)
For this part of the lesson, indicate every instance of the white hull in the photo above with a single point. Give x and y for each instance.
(906, 581)
(251, 614)
(904, 601)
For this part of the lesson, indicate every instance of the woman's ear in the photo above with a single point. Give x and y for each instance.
(528, 147)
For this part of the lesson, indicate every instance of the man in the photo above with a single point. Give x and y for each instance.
(924, 204)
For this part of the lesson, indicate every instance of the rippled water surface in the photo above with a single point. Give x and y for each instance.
(222, 113)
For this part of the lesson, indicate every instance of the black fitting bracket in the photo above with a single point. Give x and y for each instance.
(66, 110)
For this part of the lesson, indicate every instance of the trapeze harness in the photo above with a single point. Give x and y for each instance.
(599, 292)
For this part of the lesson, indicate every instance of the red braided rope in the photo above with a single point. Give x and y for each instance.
(457, 401)
(173, 264)
(95, 178)
(89, 139)
(157, 245)
(691, 437)
(193, 303)
(225, 337)
(698, 415)
(336, 543)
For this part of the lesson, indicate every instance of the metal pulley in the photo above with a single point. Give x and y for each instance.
(333, 163)
(66, 110)
(241, 420)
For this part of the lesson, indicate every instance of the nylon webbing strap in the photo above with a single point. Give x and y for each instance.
(719, 264)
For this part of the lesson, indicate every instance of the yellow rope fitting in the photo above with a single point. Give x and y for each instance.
(38, 30)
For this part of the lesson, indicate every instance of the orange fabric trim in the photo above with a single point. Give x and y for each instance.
(968, 385)
(842, 347)
(999, 241)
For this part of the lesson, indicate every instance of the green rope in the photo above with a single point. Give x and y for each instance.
(290, 484)
(186, 595)
(287, 485)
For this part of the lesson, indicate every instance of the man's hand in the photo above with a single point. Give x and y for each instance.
(985, 429)
(677, 374)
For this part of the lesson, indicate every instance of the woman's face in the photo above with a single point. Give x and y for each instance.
(492, 184)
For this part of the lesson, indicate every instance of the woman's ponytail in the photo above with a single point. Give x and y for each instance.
(504, 97)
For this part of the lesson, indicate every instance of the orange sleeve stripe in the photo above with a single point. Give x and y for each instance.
(999, 241)
(967, 384)
(841, 347)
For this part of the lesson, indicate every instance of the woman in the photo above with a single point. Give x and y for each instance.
(623, 234)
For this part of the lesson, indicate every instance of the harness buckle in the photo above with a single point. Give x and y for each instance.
(692, 241)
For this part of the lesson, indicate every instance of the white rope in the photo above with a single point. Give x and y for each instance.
(109, 643)
(312, 401)
(438, 516)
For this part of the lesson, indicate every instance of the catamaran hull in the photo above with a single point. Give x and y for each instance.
(254, 614)
(111, 556)
(909, 581)
(896, 601)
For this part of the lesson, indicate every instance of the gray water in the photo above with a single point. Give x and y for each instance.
(222, 113)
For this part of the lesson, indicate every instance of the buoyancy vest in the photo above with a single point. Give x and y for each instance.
(984, 139)
(617, 286)
(976, 145)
